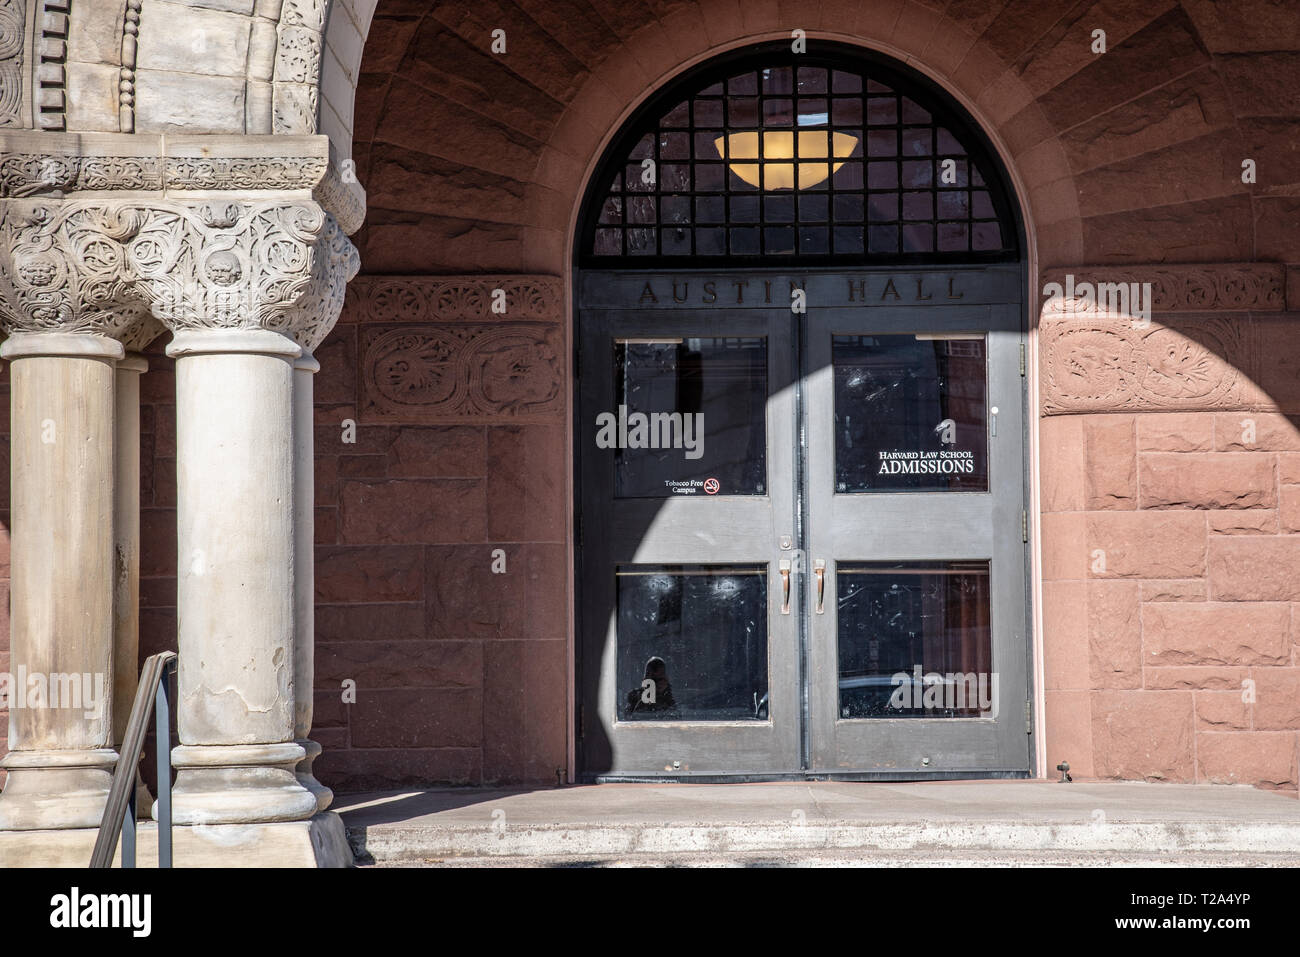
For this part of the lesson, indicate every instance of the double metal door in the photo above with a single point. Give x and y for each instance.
(801, 544)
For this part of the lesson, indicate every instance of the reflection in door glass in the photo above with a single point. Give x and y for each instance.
(914, 640)
(691, 417)
(692, 642)
(910, 413)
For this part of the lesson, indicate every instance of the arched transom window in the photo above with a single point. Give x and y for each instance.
(815, 156)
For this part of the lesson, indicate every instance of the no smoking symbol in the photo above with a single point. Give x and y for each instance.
(711, 486)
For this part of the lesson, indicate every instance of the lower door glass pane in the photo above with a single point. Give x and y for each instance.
(914, 640)
(692, 642)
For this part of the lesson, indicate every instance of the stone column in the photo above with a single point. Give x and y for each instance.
(246, 279)
(235, 568)
(304, 497)
(126, 551)
(313, 317)
(61, 613)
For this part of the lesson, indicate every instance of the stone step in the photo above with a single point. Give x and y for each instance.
(989, 821)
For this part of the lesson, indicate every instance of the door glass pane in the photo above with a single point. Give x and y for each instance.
(910, 413)
(914, 640)
(692, 642)
(690, 417)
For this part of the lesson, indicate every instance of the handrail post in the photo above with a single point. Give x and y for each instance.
(163, 705)
(119, 810)
(128, 830)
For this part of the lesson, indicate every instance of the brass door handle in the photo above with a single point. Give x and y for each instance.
(819, 569)
(785, 586)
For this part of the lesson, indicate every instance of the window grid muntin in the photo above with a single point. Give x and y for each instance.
(974, 204)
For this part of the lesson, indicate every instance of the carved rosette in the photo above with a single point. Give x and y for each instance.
(454, 298)
(104, 267)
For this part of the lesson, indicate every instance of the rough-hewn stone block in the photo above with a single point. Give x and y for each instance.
(1175, 432)
(1180, 678)
(1256, 432)
(1112, 469)
(413, 510)
(1221, 711)
(1254, 568)
(375, 573)
(1114, 634)
(1157, 544)
(1206, 480)
(1143, 734)
(1277, 699)
(1263, 758)
(1216, 633)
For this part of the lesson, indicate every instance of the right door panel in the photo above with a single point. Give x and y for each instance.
(917, 637)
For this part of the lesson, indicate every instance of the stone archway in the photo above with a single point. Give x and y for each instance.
(1107, 184)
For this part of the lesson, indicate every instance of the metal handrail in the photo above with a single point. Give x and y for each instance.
(153, 692)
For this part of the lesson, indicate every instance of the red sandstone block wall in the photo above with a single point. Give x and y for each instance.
(460, 674)
(1171, 595)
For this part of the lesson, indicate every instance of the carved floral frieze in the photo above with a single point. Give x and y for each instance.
(1200, 287)
(1191, 346)
(1113, 365)
(435, 350)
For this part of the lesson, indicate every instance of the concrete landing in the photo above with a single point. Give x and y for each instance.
(829, 823)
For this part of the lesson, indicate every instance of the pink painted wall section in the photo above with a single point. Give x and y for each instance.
(1170, 471)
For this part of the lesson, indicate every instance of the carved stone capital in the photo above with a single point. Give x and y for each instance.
(334, 263)
(59, 275)
(103, 267)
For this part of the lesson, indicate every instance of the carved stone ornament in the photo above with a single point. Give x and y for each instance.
(1210, 287)
(296, 78)
(454, 298)
(28, 174)
(466, 349)
(1190, 346)
(101, 268)
(1111, 364)
(12, 21)
(335, 263)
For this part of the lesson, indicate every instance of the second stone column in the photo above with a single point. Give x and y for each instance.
(235, 567)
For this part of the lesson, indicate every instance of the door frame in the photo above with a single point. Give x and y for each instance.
(815, 279)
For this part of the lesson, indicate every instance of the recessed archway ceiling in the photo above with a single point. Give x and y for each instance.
(475, 161)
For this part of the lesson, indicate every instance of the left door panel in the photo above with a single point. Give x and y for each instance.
(688, 660)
